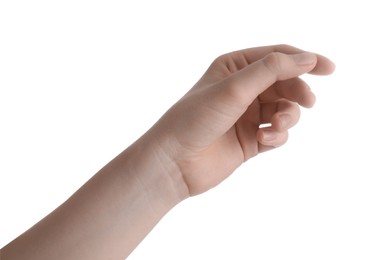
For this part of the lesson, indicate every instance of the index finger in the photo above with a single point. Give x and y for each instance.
(324, 66)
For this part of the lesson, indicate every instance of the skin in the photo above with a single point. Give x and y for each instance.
(196, 144)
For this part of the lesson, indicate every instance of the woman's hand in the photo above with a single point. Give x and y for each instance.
(215, 127)
(198, 143)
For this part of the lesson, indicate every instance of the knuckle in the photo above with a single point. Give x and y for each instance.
(273, 62)
(232, 89)
(283, 46)
(234, 95)
(221, 59)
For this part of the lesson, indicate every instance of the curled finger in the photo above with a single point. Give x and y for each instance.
(282, 114)
(294, 89)
(269, 139)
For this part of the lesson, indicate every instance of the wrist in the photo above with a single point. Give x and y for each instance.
(157, 173)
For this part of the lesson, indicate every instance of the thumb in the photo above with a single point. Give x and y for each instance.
(245, 85)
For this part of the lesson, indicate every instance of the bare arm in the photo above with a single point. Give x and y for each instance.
(109, 215)
(198, 143)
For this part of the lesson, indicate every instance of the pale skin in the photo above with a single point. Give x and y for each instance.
(197, 144)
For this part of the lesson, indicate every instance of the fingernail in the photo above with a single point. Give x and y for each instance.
(269, 135)
(305, 58)
(286, 121)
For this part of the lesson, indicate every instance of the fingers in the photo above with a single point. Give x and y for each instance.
(247, 84)
(295, 90)
(270, 139)
(282, 116)
(240, 59)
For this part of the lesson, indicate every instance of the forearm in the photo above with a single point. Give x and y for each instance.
(110, 214)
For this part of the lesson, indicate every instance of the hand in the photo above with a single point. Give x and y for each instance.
(215, 127)
(198, 143)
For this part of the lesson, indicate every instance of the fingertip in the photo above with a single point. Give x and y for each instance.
(309, 100)
(304, 58)
(266, 136)
(332, 67)
(283, 121)
(270, 137)
(324, 66)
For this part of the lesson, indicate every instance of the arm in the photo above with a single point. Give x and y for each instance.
(108, 216)
(198, 143)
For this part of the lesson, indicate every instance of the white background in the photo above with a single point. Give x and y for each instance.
(81, 80)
